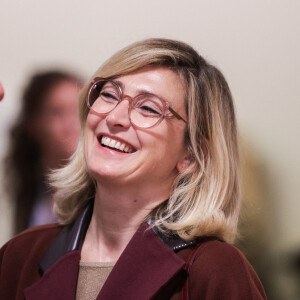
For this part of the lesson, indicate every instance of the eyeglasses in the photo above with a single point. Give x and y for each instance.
(145, 110)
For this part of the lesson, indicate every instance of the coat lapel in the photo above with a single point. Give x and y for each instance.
(144, 267)
(59, 282)
(59, 266)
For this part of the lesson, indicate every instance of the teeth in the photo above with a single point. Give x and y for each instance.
(112, 143)
(116, 144)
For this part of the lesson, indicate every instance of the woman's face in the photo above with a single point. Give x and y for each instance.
(155, 153)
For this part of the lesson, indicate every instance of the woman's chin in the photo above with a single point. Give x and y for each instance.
(109, 176)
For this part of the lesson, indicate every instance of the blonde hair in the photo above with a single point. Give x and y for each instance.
(205, 199)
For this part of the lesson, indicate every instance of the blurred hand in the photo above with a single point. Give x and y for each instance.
(1, 91)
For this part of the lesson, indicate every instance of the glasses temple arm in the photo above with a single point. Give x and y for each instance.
(177, 116)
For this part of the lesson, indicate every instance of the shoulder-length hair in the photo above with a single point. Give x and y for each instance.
(205, 198)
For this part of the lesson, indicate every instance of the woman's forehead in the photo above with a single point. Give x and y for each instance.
(156, 80)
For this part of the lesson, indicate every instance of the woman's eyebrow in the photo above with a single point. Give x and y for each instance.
(119, 83)
(139, 91)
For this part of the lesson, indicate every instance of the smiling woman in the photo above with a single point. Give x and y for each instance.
(150, 200)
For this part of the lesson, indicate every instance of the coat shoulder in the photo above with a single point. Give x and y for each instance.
(32, 239)
(221, 255)
(20, 257)
(221, 270)
(29, 245)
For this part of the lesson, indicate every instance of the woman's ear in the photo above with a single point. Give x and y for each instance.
(184, 162)
(187, 158)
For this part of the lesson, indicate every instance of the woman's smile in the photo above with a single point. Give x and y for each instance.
(115, 144)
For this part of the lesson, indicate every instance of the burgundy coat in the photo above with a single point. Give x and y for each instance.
(43, 263)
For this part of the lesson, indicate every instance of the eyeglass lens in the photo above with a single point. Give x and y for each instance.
(145, 109)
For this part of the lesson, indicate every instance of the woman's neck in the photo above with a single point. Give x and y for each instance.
(117, 215)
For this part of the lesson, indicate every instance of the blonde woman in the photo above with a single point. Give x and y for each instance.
(149, 202)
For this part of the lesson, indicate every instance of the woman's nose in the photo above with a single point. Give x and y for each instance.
(119, 116)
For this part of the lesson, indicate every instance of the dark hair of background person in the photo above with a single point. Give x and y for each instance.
(23, 165)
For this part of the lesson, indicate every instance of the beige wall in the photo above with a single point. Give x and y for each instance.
(255, 43)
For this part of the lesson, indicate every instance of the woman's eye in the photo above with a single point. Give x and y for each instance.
(149, 109)
(109, 96)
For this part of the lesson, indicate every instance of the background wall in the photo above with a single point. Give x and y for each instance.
(255, 44)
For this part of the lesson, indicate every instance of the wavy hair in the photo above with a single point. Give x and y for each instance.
(205, 198)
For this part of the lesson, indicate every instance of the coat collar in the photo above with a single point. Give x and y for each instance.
(148, 262)
(72, 237)
(69, 239)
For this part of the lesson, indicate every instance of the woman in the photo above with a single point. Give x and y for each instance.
(151, 195)
(43, 138)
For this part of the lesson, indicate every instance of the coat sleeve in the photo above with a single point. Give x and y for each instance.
(6, 290)
(220, 271)
(2, 251)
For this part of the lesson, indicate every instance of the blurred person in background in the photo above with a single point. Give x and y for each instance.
(44, 136)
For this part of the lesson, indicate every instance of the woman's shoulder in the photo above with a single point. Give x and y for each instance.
(221, 269)
(20, 257)
(33, 240)
(217, 254)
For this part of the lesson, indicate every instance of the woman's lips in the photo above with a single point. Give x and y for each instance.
(115, 144)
